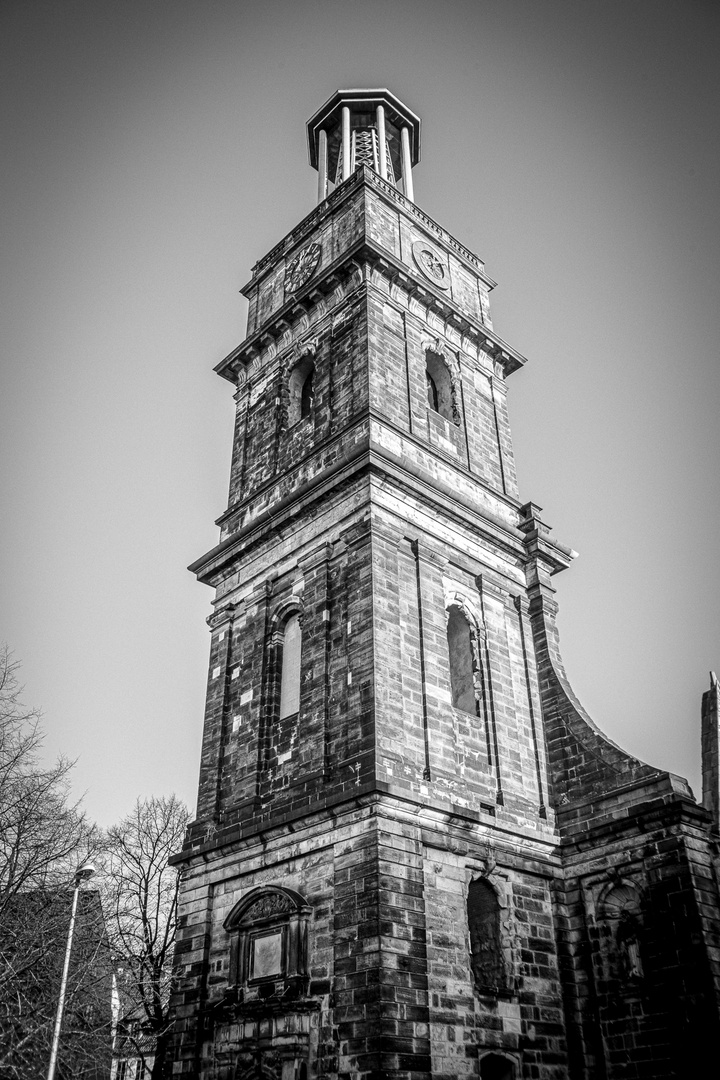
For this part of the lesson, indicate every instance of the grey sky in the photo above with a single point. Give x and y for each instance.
(153, 151)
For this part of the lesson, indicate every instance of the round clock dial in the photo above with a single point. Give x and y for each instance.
(302, 267)
(432, 263)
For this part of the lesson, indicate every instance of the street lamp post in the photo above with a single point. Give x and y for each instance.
(86, 871)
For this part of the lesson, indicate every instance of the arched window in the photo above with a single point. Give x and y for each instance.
(440, 392)
(290, 667)
(462, 665)
(301, 391)
(483, 912)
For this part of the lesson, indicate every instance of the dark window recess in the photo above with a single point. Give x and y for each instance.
(496, 1067)
(440, 390)
(301, 391)
(432, 394)
(621, 913)
(485, 948)
(307, 395)
(462, 674)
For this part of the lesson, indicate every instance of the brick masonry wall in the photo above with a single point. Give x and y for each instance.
(624, 823)
(523, 1018)
(265, 444)
(493, 761)
(335, 230)
(664, 1021)
(400, 332)
(390, 989)
(254, 764)
(374, 598)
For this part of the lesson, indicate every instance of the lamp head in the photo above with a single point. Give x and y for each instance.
(84, 872)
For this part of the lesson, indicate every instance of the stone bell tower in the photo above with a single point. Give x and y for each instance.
(389, 873)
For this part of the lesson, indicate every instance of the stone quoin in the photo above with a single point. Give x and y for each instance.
(414, 853)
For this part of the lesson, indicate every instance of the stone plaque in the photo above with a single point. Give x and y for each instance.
(267, 955)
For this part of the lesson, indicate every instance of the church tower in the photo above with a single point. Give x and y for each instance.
(414, 855)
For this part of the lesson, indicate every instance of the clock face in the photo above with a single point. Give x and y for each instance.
(302, 267)
(432, 263)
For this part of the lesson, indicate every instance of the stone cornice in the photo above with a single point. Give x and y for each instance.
(431, 811)
(365, 252)
(540, 545)
(415, 213)
(233, 366)
(364, 176)
(662, 796)
(437, 300)
(365, 456)
(422, 445)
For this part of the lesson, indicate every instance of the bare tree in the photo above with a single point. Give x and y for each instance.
(43, 838)
(141, 892)
(42, 833)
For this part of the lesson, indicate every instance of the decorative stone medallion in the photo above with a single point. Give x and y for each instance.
(432, 263)
(270, 904)
(302, 267)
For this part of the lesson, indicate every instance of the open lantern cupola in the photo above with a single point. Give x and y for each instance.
(364, 127)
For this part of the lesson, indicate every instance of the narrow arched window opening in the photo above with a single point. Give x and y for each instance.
(432, 393)
(462, 673)
(307, 394)
(290, 667)
(440, 393)
(301, 391)
(483, 911)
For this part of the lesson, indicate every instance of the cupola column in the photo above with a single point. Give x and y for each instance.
(382, 145)
(345, 142)
(322, 165)
(406, 162)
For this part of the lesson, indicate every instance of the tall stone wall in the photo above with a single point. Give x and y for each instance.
(638, 898)
(388, 988)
